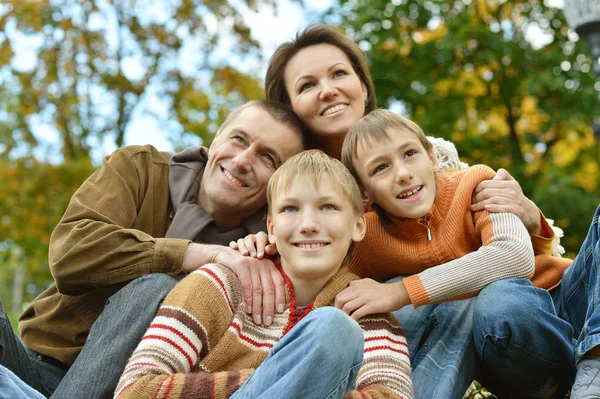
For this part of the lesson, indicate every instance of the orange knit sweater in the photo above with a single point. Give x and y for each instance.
(467, 250)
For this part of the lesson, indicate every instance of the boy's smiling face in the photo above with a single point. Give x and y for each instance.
(313, 226)
(398, 174)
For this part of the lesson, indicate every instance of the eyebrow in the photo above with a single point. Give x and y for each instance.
(400, 148)
(328, 69)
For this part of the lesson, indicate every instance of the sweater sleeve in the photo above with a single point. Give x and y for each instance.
(506, 252)
(385, 371)
(95, 243)
(192, 319)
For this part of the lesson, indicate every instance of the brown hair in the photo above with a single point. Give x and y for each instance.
(374, 127)
(316, 34)
(280, 112)
(311, 167)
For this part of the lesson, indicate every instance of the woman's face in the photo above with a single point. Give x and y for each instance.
(325, 91)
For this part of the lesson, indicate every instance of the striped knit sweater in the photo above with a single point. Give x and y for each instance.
(202, 343)
(466, 252)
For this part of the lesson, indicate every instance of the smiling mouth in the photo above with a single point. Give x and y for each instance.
(409, 193)
(312, 245)
(334, 109)
(232, 178)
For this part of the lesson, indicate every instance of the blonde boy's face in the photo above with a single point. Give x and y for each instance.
(313, 227)
(398, 174)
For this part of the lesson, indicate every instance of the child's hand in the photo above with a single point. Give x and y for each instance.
(366, 296)
(254, 245)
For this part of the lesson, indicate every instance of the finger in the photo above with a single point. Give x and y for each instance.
(246, 280)
(271, 250)
(268, 294)
(341, 298)
(279, 286)
(503, 174)
(257, 291)
(233, 245)
(242, 247)
(506, 194)
(352, 306)
(262, 241)
(249, 245)
(361, 312)
(496, 208)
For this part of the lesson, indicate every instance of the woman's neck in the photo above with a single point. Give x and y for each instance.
(332, 145)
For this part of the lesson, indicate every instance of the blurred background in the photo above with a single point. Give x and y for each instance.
(509, 82)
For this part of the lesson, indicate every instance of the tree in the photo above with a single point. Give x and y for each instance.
(97, 61)
(469, 71)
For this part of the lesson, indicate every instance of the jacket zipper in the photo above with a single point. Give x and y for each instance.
(425, 222)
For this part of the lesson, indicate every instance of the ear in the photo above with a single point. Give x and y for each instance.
(366, 200)
(365, 92)
(270, 230)
(434, 161)
(360, 228)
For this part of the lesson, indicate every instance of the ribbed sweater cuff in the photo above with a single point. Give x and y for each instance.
(416, 291)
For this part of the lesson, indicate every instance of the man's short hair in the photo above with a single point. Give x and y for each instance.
(280, 112)
(310, 167)
(375, 127)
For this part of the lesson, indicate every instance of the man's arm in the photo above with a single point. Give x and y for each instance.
(385, 371)
(106, 234)
(504, 194)
(183, 332)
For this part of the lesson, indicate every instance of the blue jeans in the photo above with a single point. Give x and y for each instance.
(529, 339)
(319, 358)
(440, 344)
(11, 387)
(113, 338)
(34, 369)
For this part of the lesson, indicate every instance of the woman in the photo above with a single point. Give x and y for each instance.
(323, 76)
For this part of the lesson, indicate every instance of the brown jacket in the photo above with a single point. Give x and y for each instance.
(111, 233)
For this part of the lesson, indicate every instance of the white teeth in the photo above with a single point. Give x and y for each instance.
(337, 108)
(312, 245)
(416, 190)
(233, 179)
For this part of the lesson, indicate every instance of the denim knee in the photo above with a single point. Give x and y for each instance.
(145, 290)
(500, 307)
(339, 335)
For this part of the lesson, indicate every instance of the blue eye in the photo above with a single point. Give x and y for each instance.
(329, 208)
(379, 168)
(289, 209)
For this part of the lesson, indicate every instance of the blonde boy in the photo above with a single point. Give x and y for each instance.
(423, 226)
(311, 350)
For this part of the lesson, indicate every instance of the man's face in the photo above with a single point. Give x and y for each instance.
(241, 160)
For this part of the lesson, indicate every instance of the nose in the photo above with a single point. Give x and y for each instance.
(242, 161)
(328, 90)
(403, 174)
(309, 223)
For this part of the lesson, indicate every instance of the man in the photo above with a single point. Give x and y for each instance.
(134, 224)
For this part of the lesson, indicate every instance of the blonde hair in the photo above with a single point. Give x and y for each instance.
(375, 127)
(311, 167)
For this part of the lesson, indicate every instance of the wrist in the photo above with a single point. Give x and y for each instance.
(535, 225)
(402, 297)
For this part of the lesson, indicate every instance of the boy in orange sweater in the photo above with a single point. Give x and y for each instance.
(311, 350)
